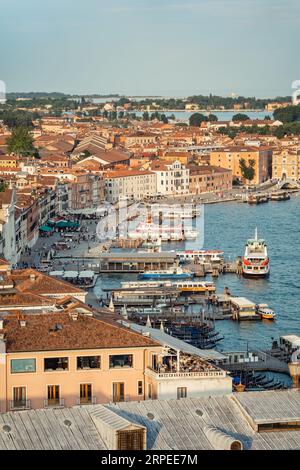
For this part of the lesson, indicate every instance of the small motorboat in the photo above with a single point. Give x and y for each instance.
(265, 312)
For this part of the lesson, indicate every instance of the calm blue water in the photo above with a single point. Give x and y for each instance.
(227, 227)
(222, 115)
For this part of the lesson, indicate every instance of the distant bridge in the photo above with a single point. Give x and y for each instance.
(288, 183)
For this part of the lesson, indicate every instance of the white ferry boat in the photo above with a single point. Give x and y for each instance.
(177, 273)
(213, 256)
(256, 261)
(175, 212)
(183, 286)
(151, 231)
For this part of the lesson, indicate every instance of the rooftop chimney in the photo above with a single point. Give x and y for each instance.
(32, 277)
(294, 368)
(1, 323)
(74, 316)
(22, 323)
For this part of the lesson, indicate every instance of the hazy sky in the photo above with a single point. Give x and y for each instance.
(168, 47)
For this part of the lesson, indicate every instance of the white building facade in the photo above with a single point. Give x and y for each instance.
(172, 178)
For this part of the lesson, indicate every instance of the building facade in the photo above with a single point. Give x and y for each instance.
(230, 158)
(286, 164)
(208, 178)
(172, 178)
(132, 184)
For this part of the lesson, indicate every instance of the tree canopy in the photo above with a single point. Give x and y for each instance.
(288, 114)
(20, 143)
(248, 171)
(240, 117)
(196, 119)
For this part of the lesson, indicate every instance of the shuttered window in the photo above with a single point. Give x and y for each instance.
(131, 440)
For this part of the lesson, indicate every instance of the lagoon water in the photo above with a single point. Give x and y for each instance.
(227, 226)
(221, 115)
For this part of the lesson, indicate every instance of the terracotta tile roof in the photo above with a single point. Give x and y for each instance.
(125, 173)
(6, 197)
(84, 333)
(23, 299)
(42, 284)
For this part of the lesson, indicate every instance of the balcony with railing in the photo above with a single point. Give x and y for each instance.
(189, 367)
(87, 401)
(120, 399)
(54, 403)
(19, 405)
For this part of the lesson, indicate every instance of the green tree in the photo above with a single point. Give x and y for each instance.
(212, 118)
(248, 171)
(3, 186)
(196, 119)
(21, 143)
(146, 116)
(240, 117)
(288, 114)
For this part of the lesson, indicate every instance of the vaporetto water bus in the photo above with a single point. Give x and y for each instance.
(183, 286)
(151, 231)
(177, 273)
(175, 212)
(205, 256)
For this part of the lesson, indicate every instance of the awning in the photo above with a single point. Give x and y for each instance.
(70, 274)
(86, 274)
(46, 228)
(67, 224)
(56, 273)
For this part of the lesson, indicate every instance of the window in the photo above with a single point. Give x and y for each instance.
(154, 362)
(118, 391)
(181, 392)
(131, 439)
(19, 397)
(88, 362)
(140, 387)
(124, 360)
(18, 366)
(53, 395)
(56, 363)
(150, 391)
(85, 393)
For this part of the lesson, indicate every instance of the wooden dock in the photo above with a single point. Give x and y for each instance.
(136, 262)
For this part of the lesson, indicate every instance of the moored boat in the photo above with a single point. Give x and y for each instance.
(280, 196)
(177, 273)
(213, 256)
(265, 312)
(256, 261)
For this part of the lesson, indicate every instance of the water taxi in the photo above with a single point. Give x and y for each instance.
(265, 312)
(256, 261)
